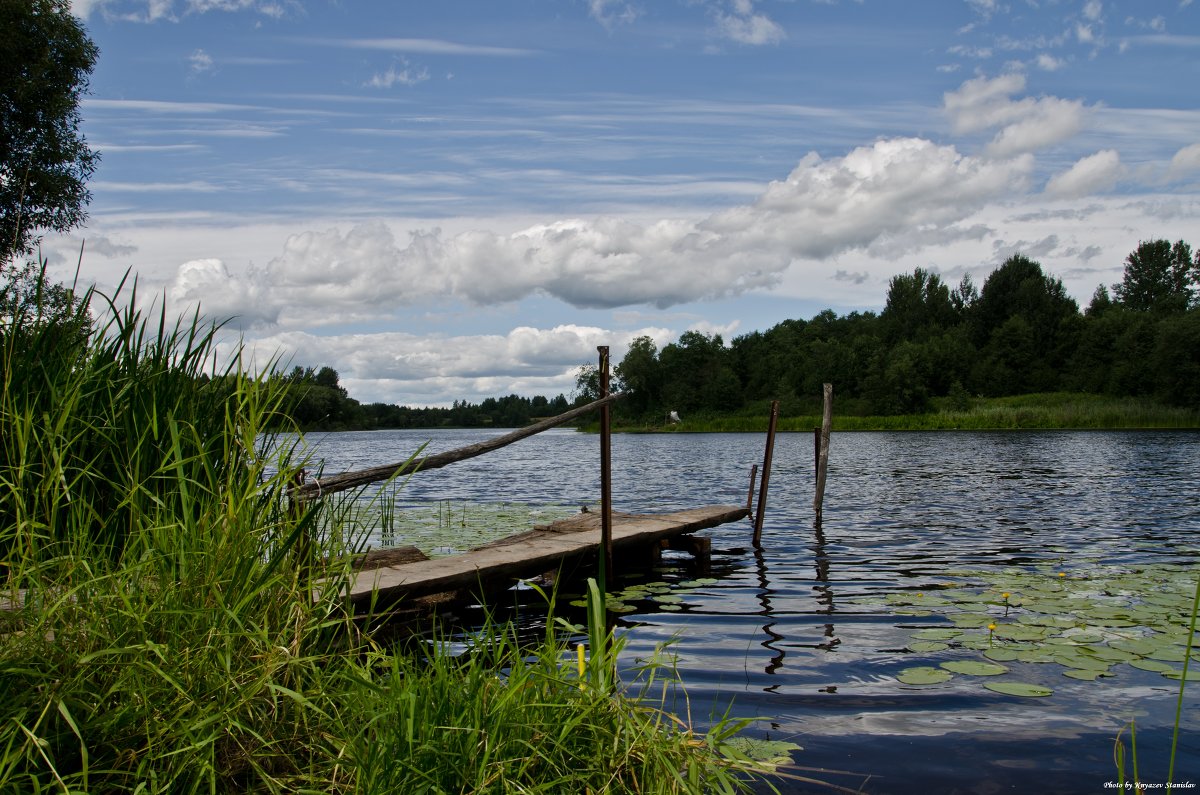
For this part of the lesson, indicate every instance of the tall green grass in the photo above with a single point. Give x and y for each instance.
(158, 635)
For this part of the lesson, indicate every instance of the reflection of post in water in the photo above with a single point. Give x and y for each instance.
(823, 588)
(765, 592)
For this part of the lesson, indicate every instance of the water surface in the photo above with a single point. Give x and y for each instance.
(798, 634)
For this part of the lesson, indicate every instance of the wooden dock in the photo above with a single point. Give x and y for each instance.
(548, 548)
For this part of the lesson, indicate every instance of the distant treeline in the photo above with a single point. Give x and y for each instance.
(1019, 333)
(318, 402)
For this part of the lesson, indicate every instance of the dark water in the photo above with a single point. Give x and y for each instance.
(784, 636)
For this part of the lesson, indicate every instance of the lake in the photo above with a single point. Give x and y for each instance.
(1093, 536)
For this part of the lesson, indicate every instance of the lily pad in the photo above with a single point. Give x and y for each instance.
(1157, 666)
(1022, 689)
(1192, 675)
(923, 675)
(767, 754)
(926, 646)
(1087, 676)
(971, 620)
(974, 668)
(1001, 654)
(937, 634)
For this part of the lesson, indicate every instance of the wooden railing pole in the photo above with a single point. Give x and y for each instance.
(350, 480)
(606, 559)
(766, 473)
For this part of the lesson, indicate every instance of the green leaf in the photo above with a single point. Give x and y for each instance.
(923, 675)
(974, 668)
(1087, 676)
(1022, 689)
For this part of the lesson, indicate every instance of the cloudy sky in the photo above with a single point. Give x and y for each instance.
(463, 198)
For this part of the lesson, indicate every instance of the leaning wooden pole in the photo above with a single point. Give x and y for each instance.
(350, 480)
(606, 556)
(823, 456)
(766, 473)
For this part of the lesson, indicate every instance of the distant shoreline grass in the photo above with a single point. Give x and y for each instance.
(1045, 411)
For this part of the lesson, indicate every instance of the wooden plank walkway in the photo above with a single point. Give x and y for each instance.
(500, 564)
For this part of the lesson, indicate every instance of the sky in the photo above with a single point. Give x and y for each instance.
(461, 199)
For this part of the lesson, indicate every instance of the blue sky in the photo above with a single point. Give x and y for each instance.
(455, 200)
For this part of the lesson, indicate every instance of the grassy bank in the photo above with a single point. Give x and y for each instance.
(159, 631)
(1059, 410)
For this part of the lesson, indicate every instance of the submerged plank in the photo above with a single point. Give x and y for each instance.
(546, 548)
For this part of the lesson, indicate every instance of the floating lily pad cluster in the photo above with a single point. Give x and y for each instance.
(1088, 623)
(664, 596)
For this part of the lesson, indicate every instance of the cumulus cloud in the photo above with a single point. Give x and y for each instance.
(243, 301)
(1092, 174)
(1185, 161)
(899, 194)
(1025, 125)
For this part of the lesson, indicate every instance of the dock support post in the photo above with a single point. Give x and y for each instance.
(750, 493)
(766, 473)
(823, 451)
(606, 559)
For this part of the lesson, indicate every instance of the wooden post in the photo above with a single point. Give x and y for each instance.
(750, 494)
(606, 558)
(766, 473)
(823, 452)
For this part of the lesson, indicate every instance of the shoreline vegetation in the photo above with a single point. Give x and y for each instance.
(1052, 411)
(162, 628)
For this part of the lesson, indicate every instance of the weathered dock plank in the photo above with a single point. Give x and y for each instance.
(543, 549)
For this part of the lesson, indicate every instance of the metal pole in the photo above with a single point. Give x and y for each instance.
(766, 473)
(606, 560)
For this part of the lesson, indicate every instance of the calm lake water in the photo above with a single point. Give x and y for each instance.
(810, 633)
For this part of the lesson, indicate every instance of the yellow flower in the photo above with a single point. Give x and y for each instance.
(991, 627)
(1005, 594)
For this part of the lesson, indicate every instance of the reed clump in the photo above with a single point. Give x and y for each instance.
(158, 632)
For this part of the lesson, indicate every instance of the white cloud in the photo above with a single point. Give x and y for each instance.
(201, 62)
(424, 46)
(1093, 9)
(436, 369)
(1185, 161)
(404, 75)
(1026, 125)
(747, 27)
(610, 13)
(898, 195)
(1092, 174)
(1048, 63)
(243, 300)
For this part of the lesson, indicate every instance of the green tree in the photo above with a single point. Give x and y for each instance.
(1047, 336)
(46, 59)
(1159, 277)
(640, 374)
(917, 306)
